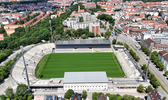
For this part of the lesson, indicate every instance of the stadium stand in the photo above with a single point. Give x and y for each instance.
(127, 66)
(32, 57)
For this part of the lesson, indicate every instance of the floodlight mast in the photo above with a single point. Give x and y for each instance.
(51, 30)
(29, 89)
(151, 47)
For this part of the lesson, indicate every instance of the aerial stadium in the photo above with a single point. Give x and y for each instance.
(73, 64)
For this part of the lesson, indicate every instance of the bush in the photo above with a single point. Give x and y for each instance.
(126, 46)
(69, 93)
(133, 54)
(166, 73)
(84, 94)
(2, 97)
(119, 43)
(140, 88)
(114, 41)
(149, 88)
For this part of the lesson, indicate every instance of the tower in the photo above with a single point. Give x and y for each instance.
(78, 8)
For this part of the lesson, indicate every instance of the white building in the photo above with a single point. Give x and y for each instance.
(85, 81)
(70, 21)
(81, 25)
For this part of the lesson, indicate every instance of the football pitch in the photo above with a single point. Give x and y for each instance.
(54, 65)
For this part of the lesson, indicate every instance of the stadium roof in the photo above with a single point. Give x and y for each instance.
(85, 77)
(82, 42)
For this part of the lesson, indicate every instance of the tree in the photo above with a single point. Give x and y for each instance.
(126, 46)
(21, 90)
(114, 41)
(149, 88)
(129, 97)
(94, 96)
(81, 19)
(30, 97)
(69, 93)
(92, 13)
(108, 33)
(5, 34)
(83, 36)
(164, 98)
(166, 73)
(2, 97)
(140, 88)
(84, 94)
(9, 92)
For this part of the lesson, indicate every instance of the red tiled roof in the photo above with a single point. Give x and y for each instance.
(161, 53)
(149, 41)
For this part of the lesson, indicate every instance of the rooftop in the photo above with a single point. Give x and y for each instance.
(82, 41)
(85, 77)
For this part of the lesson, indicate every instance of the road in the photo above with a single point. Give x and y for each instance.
(152, 68)
(9, 82)
(121, 92)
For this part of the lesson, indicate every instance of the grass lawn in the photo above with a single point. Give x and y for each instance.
(54, 65)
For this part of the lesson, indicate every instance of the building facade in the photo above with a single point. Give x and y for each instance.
(163, 56)
(85, 81)
(94, 28)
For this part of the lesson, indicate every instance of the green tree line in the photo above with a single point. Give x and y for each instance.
(107, 18)
(154, 57)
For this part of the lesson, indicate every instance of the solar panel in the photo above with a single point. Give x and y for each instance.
(82, 41)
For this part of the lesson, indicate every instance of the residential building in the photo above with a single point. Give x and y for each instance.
(10, 28)
(163, 56)
(79, 25)
(157, 46)
(90, 5)
(94, 28)
(153, 95)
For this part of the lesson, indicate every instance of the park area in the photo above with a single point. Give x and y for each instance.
(54, 65)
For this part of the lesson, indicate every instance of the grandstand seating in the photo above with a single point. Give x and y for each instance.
(32, 57)
(127, 66)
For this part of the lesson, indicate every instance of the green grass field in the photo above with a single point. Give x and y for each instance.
(54, 65)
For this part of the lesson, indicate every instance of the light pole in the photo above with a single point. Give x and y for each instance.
(51, 30)
(21, 47)
(151, 46)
